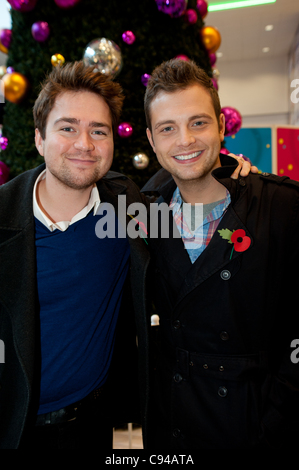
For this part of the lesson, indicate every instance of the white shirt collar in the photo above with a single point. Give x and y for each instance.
(94, 202)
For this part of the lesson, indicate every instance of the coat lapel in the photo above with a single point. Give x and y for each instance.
(218, 255)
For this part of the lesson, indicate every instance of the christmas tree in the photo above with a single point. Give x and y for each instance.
(155, 30)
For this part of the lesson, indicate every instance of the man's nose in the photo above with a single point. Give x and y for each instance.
(185, 137)
(84, 142)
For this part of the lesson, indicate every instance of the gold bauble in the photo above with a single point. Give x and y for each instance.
(57, 59)
(15, 86)
(211, 38)
(3, 48)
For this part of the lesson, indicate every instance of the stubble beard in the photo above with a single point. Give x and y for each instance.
(79, 179)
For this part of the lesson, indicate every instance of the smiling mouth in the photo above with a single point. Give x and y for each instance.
(188, 157)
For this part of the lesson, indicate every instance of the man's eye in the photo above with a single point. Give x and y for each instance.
(67, 129)
(198, 123)
(167, 129)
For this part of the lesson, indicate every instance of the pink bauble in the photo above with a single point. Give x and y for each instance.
(128, 37)
(125, 129)
(5, 37)
(3, 142)
(225, 151)
(233, 120)
(40, 31)
(182, 57)
(191, 16)
(66, 3)
(4, 173)
(202, 7)
(22, 5)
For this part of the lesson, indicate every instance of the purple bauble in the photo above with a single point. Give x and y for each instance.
(66, 3)
(233, 120)
(213, 58)
(4, 173)
(5, 37)
(191, 16)
(128, 37)
(173, 8)
(202, 7)
(22, 5)
(3, 142)
(125, 129)
(10, 70)
(145, 78)
(40, 31)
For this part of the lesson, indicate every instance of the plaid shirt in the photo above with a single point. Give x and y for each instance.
(196, 241)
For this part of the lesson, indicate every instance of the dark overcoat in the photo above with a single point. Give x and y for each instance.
(19, 313)
(224, 377)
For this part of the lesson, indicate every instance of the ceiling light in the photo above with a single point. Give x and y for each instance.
(238, 4)
(269, 27)
(266, 49)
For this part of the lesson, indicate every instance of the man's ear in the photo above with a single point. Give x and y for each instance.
(221, 126)
(150, 139)
(39, 142)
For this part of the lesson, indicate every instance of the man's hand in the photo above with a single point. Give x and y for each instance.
(244, 167)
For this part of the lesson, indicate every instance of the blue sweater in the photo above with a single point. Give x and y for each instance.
(80, 282)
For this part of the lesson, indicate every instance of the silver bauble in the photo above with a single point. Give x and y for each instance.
(105, 55)
(140, 161)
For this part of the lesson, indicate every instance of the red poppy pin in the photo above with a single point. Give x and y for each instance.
(238, 238)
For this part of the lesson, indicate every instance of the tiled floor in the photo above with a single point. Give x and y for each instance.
(130, 438)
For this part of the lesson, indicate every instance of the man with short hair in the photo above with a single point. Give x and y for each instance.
(66, 319)
(224, 288)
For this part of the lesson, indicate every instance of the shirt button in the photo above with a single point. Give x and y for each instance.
(222, 392)
(177, 324)
(225, 275)
(224, 335)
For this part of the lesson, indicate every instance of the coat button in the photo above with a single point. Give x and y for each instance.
(177, 378)
(222, 391)
(176, 433)
(242, 182)
(224, 335)
(177, 324)
(225, 275)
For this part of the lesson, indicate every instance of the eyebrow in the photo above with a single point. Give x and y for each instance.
(77, 122)
(172, 121)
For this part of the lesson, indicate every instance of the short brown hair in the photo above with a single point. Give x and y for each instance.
(76, 77)
(174, 75)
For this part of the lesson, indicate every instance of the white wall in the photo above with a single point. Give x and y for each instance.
(259, 89)
(5, 23)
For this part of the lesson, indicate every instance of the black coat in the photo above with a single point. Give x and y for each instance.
(224, 377)
(19, 313)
